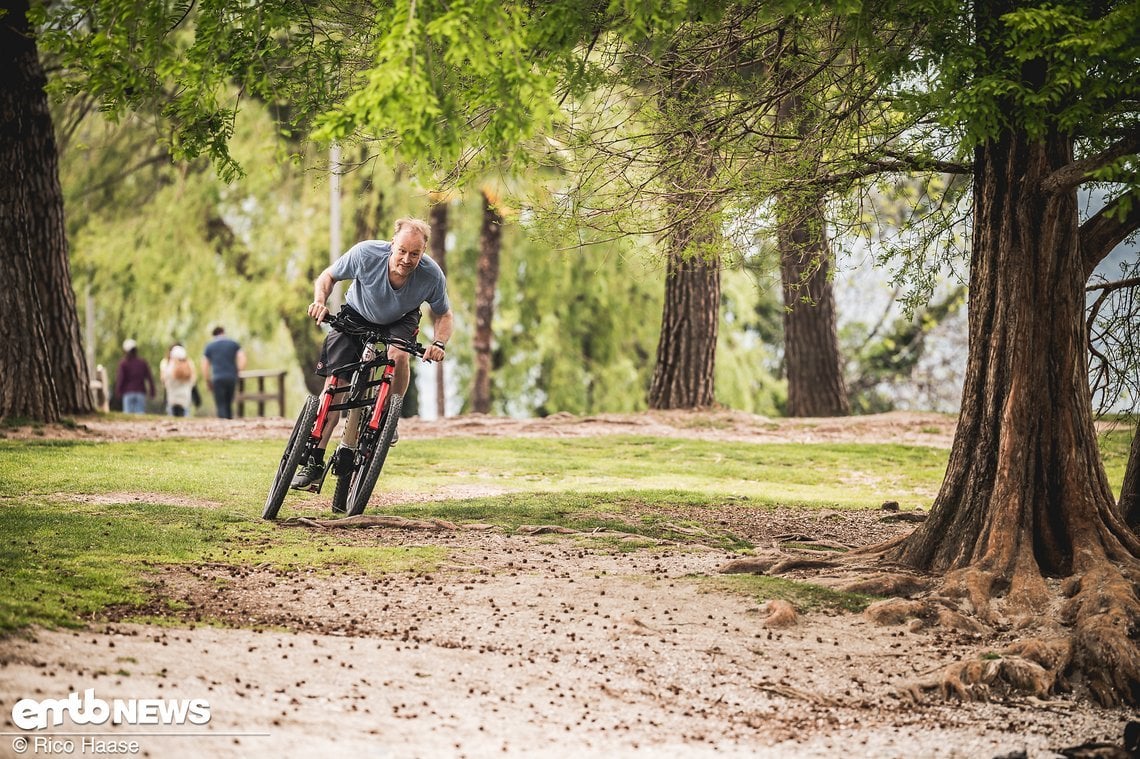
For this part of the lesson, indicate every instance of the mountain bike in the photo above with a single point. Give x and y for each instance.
(373, 413)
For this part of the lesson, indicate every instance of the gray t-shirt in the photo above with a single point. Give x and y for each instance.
(370, 293)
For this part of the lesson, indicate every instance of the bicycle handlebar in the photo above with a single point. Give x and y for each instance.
(373, 333)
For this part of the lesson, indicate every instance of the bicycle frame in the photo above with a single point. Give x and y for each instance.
(353, 384)
(363, 447)
(357, 392)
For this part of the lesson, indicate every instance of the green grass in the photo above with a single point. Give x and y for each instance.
(83, 524)
(805, 596)
(822, 475)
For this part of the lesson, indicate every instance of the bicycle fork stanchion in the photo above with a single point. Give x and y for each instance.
(314, 441)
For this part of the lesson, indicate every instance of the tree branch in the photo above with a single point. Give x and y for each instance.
(1105, 230)
(1119, 284)
(1069, 176)
(893, 164)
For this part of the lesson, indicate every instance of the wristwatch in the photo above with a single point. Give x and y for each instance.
(439, 344)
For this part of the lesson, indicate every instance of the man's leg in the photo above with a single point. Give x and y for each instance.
(314, 468)
(224, 397)
(402, 373)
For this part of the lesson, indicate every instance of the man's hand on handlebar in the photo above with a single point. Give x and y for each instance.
(318, 311)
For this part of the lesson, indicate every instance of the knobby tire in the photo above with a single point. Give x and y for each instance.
(290, 458)
(364, 479)
(340, 494)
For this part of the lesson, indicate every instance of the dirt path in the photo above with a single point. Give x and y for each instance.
(529, 646)
(908, 428)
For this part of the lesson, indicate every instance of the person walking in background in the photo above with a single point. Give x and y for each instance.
(163, 370)
(134, 382)
(221, 362)
(178, 377)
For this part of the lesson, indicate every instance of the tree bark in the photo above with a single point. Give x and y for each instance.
(1025, 495)
(811, 345)
(438, 218)
(1130, 489)
(39, 329)
(487, 273)
(690, 320)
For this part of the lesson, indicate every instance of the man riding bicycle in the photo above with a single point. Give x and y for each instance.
(390, 281)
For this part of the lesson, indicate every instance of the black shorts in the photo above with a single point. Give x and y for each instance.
(341, 350)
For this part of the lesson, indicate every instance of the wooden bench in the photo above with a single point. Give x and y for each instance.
(260, 396)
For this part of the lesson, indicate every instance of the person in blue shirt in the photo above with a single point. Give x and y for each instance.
(222, 359)
(390, 282)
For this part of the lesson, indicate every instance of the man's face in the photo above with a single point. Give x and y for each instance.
(407, 250)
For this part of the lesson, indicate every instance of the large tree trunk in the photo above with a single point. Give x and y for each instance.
(1025, 495)
(1130, 490)
(487, 273)
(438, 217)
(811, 346)
(41, 350)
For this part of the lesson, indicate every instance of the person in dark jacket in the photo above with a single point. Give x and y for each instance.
(134, 382)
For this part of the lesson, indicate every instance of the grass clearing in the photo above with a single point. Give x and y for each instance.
(83, 523)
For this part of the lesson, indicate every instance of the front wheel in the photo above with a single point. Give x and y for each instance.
(290, 458)
(364, 479)
(346, 470)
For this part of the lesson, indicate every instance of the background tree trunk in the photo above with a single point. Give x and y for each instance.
(811, 345)
(438, 218)
(39, 328)
(690, 319)
(487, 273)
(1130, 490)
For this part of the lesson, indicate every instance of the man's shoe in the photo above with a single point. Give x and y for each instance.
(311, 472)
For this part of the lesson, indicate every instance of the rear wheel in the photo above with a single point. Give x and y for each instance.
(290, 458)
(364, 479)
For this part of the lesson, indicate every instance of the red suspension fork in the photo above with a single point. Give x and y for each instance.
(323, 411)
(381, 397)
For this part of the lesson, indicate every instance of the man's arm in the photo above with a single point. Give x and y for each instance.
(441, 332)
(322, 287)
(206, 373)
(442, 326)
(240, 358)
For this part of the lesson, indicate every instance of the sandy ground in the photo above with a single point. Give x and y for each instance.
(525, 645)
(908, 428)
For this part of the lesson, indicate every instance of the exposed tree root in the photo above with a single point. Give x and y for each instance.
(778, 614)
(1092, 646)
(1104, 613)
(370, 520)
(900, 584)
(776, 562)
(1035, 670)
(1095, 650)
